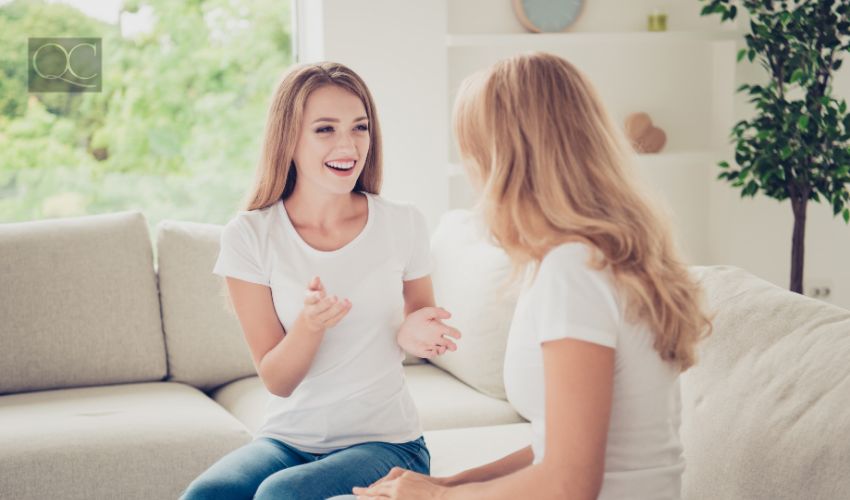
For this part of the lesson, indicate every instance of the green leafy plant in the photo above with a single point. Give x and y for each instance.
(797, 144)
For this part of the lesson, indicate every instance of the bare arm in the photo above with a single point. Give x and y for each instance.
(494, 470)
(417, 294)
(579, 380)
(579, 385)
(282, 358)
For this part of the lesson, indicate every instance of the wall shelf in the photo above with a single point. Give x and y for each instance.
(705, 157)
(672, 159)
(582, 38)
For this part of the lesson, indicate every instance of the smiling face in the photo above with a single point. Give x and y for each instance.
(334, 140)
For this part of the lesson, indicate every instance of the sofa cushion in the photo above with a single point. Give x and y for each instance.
(410, 359)
(766, 411)
(79, 303)
(456, 450)
(245, 399)
(206, 348)
(133, 441)
(442, 400)
(470, 278)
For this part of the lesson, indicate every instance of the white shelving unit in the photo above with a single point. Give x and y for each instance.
(684, 79)
(562, 39)
(647, 161)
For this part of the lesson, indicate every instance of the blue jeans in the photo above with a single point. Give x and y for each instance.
(267, 468)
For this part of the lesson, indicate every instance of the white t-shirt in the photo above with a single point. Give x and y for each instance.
(354, 390)
(569, 299)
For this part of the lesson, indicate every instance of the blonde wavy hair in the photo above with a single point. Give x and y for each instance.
(275, 175)
(552, 168)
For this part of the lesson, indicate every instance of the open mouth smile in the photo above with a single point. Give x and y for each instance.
(341, 167)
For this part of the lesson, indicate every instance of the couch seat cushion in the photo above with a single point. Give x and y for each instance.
(127, 441)
(443, 401)
(246, 400)
(455, 450)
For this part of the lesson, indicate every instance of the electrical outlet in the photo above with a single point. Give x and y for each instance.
(818, 289)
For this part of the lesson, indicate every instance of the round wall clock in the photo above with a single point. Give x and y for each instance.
(547, 16)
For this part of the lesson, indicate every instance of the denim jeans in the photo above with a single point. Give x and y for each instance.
(267, 468)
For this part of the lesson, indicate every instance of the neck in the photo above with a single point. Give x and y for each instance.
(319, 210)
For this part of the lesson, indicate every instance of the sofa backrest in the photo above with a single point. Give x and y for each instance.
(766, 410)
(470, 281)
(78, 303)
(205, 344)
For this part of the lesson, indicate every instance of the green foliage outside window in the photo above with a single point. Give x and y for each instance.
(177, 128)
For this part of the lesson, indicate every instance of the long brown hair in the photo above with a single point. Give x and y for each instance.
(552, 167)
(275, 175)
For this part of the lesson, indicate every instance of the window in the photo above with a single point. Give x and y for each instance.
(176, 129)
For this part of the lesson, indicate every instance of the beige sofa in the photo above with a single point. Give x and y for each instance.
(123, 375)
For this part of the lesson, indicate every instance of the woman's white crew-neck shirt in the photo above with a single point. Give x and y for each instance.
(568, 299)
(354, 390)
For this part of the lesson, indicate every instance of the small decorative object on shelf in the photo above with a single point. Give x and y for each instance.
(657, 21)
(645, 137)
(548, 16)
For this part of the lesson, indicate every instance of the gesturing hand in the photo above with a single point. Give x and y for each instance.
(423, 333)
(320, 311)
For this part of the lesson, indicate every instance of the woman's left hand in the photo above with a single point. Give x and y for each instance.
(424, 334)
(404, 485)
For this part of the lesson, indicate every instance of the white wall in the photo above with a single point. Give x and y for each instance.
(684, 81)
(398, 48)
(497, 16)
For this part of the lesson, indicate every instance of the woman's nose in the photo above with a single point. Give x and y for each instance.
(346, 142)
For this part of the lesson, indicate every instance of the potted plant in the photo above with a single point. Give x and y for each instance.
(797, 144)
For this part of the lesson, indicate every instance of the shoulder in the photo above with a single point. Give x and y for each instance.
(569, 269)
(251, 224)
(572, 258)
(576, 300)
(388, 205)
(398, 212)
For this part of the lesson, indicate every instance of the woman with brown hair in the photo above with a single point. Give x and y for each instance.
(608, 316)
(330, 283)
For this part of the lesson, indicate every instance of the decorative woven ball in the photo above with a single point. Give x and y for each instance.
(645, 137)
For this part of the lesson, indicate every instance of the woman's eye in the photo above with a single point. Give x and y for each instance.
(324, 129)
(363, 128)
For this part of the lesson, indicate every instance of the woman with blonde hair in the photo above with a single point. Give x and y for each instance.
(608, 317)
(330, 283)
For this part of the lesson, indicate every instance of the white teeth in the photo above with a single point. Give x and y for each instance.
(341, 165)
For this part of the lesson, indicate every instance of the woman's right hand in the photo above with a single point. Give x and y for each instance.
(320, 311)
(396, 472)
